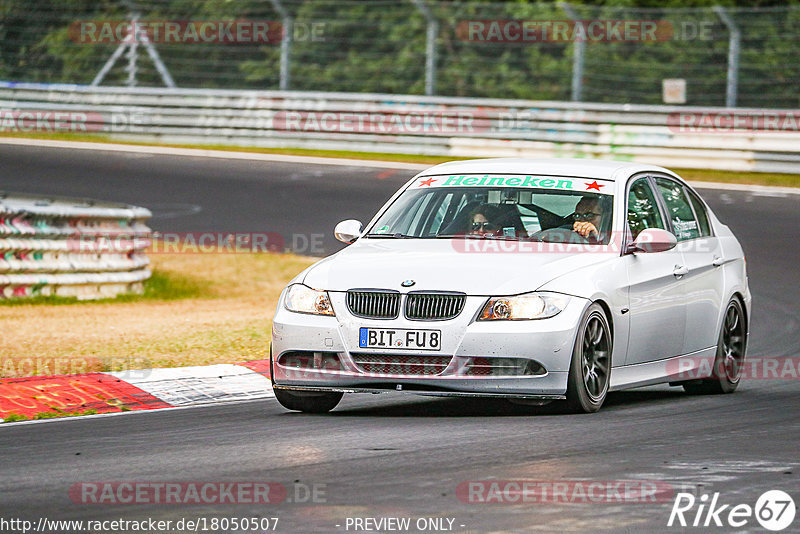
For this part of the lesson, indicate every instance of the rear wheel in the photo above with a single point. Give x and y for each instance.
(590, 369)
(730, 355)
(308, 401)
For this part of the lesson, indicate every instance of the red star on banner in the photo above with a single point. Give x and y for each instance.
(593, 185)
(428, 182)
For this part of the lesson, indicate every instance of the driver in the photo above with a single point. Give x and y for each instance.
(587, 217)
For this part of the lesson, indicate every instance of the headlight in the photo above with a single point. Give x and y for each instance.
(303, 299)
(529, 306)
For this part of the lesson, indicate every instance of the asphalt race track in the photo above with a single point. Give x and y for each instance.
(405, 456)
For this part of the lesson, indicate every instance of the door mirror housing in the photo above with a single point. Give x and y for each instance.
(653, 240)
(347, 231)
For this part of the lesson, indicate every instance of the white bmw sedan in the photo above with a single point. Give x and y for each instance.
(532, 280)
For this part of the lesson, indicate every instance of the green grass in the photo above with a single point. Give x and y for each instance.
(50, 415)
(13, 417)
(161, 286)
(377, 156)
(755, 178)
(168, 286)
(198, 309)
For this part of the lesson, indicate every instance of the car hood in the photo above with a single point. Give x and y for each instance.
(499, 268)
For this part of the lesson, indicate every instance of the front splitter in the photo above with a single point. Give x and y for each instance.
(423, 392)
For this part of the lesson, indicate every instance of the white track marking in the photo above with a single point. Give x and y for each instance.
(189, 386)
(763, 190)
(201, 153)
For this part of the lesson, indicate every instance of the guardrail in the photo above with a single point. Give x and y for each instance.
(677, 136)
(71, 248)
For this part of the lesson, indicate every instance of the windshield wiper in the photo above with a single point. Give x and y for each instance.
(391, 236)
(479, 236)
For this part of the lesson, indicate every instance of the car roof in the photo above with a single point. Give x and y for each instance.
(581, 168)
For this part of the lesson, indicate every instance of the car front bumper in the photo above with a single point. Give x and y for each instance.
(548, 342)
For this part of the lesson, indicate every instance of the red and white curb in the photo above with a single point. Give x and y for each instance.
(135, 390)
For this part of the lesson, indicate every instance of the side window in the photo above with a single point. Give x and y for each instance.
(700, 212)
(643, 210)
(679, 210)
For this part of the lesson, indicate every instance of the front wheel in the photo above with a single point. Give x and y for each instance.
(728, 362)
(590, 369)
(309, 402)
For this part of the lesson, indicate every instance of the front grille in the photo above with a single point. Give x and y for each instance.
(434, 306)
(373, 304)
(395, 364)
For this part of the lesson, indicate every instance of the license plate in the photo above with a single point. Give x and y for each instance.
(398, 338)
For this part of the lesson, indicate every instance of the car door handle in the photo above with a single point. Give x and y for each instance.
(680, 270)
(717, 261)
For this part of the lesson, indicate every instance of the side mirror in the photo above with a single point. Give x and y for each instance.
(653, 240)
(347, 231)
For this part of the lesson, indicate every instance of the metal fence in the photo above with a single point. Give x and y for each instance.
(676, 136)
(71, 247)
(726, 57)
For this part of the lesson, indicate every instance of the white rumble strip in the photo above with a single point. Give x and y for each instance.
(189, 386)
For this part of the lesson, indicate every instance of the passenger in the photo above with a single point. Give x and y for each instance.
(481, 220)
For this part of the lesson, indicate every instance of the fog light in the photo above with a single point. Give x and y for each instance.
(483, 366)
(328, 361)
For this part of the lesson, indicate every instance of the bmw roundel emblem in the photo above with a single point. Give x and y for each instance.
(407, 283)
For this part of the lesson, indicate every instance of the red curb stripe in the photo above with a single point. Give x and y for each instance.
(73, 393)
(259, 366)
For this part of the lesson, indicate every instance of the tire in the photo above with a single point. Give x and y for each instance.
(731, 349)
(590, 367)
(309, 402)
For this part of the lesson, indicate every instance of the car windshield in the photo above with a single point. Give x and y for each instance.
(513, 207)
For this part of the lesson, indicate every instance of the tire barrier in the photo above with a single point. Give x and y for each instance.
(71, 247)
(736, 139)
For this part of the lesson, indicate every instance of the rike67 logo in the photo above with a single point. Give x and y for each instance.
(774, 510)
